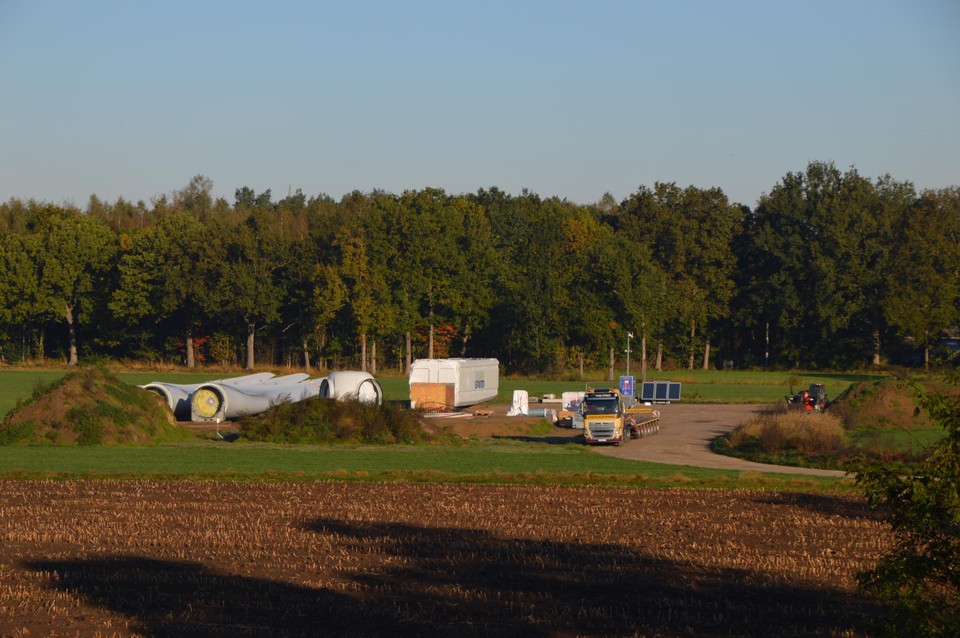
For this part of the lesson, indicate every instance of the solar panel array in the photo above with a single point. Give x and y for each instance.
(660, 391)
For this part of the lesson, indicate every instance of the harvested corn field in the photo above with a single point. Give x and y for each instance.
(126, 558)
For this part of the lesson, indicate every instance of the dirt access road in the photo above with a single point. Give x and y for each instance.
(684, 438)
(685, 435)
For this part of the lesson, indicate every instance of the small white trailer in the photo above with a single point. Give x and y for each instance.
(444, 384)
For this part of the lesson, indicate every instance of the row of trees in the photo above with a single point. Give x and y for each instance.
(830, 269)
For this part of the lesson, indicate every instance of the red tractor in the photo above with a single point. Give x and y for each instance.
(813, 399)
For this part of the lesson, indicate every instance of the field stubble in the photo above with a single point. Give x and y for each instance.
(221, 559)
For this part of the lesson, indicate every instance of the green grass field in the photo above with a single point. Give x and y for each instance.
(914, 441)
(485, 462)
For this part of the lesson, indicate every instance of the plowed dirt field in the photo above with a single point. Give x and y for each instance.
(125, 558)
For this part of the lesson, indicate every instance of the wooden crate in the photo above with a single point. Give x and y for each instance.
(433, 397)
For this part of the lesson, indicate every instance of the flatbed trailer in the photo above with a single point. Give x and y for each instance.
(643, 422)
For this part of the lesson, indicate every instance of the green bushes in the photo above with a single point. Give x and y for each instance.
(920, 576)
(328, 421)
(87, 425)
(23, 431)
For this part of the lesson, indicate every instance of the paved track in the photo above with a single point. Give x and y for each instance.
(684, 439)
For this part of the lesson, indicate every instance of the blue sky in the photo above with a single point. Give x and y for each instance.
(574, 99)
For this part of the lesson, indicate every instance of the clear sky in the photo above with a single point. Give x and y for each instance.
(131, 98)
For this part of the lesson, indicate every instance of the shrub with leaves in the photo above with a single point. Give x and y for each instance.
(920, 576)
(329, 421)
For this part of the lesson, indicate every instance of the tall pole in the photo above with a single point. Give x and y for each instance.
(629, 334)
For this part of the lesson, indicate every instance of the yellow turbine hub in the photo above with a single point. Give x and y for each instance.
(206, 403)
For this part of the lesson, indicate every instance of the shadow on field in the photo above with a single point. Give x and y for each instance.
(825, 504)
(170, 598)
(417, 581)
(549, 439)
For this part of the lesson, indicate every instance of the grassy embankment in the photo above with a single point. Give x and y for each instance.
(479, 462)
(877, 419)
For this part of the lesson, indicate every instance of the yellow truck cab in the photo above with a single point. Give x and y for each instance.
(606, 419)
(603, 417)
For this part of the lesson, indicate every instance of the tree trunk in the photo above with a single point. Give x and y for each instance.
(706, 354)
(643, 356)
(466, 337)
(409, 346)
(73, 360)
(363, 351)
(766, 347)
(581, 365)
(693, 335)
(306, 355)
(251, 331)
(876, 347)
(188, 340)
(322, 344)
(659, 365)
(373, 358)
(612, 362)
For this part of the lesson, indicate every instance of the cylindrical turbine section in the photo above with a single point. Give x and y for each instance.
(208, 403)
(221, 402)
(178, 396)
(352, 385)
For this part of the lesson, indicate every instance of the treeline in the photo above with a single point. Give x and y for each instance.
(829, 270)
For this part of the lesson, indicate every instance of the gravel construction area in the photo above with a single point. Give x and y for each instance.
(159, 558)
(684, 437)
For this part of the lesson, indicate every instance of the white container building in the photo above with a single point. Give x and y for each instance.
(453, 383)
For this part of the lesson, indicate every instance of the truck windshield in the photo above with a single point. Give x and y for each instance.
(600, 406)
